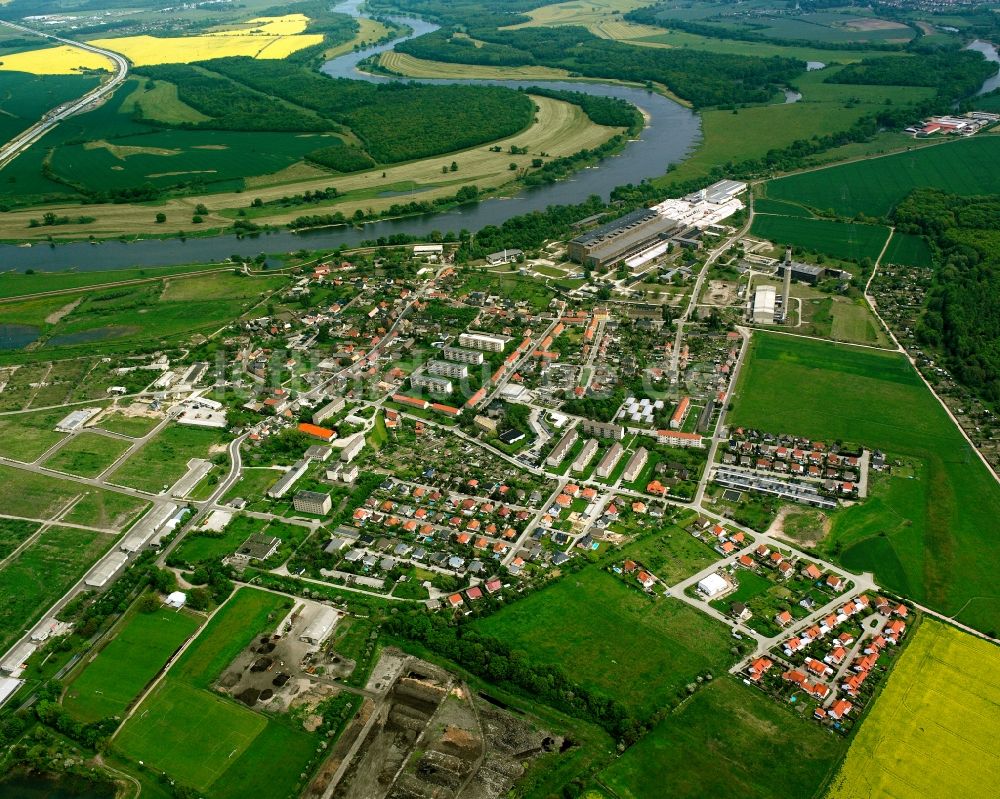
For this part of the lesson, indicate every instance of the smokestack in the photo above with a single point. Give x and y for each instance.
(786, 302)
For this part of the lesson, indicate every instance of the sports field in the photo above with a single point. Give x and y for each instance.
(921, 535)
(874, 186)
(848, 240)
(727, 741)
(87, 455)
(933, 731)
(227, 751)
(140, 647)
(611, 638)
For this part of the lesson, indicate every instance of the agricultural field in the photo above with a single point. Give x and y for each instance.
(751, 132)
(728, 740)
(932, 733)
(87, 455)
(908, 250)
(846, 240)
(60, 59)
(24, 97)
(613, 639)
(138, 649)
(875, 186)
(214, 161)
(164, 459)
(113, 316)
(37, 496)
(228, 750)
(920, 532)
(42, 572)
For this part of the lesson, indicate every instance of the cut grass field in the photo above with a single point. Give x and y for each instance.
(875, 186)
(847, 240)
(25, 436)
(87, 455)
(42, 573)
(227, 751)
(411, 67)
(613, 639)
(727, 740)
(139, 648)
(922, 536)
(933, 731)
(15, 284)
(163, 460)
(559, 129)
(39, 496)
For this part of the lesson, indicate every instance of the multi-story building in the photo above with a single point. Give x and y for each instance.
(312, 502)
(603, 429)
(447, 369)
(480, 341)
(610, 460)
(561, 450)
(585, 456)
(436, 385)
(634, 465)
(461, 355)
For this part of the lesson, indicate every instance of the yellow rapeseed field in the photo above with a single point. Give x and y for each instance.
(262, 37)
(61, 60)
(934, 729)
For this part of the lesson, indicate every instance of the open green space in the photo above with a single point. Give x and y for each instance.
(14, 284)
(139, 648)
(39, 496)
(848, 240)
(163, 460)
(875, 186)
(614, 639)
(135, 426)
(672, 555)
(227, 750)
(42, 573)
(87, 455)
(922, 535)
(13, 533)
(727, 740)
(25, 436)
(201, 547)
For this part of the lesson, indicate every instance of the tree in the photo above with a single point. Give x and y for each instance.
(161, 218)
(454, 166)
(200, 209)
(196, 219)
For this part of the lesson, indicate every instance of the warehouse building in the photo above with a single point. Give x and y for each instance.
(460, 355)
(320, 626)
(761, 309)
(503, 257)
(104, 571)
(620, 238)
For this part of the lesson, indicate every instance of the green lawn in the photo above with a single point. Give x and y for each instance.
(922, 536)
(253, 484)
(42, 573)
(163, 460)
(874, 186)
(124, 667)
(613, 639)
(848, 240)
(672, 554)
(13, 533)
(727, 741)
(135, 426)
(87, 455)
(195, 549)
(226, 751)
(13, 284)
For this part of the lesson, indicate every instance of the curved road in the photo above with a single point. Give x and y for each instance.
(24, 140)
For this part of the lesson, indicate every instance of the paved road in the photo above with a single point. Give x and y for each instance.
(24, 140)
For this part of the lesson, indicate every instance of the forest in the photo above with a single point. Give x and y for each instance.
(954, 73)
(704, 79)
(961, 314)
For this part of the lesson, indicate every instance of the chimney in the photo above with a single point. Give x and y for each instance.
(786, 301)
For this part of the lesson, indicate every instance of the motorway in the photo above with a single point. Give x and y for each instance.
(25, 139)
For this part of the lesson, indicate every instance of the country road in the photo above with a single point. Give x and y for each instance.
(25, 139)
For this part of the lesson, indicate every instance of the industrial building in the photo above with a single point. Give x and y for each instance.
(74, 420)
(610, 460)
(720, 192)
(603, 429)
(761, 310)
(312, 502)
(503, 257)
(147, 527)
(480, 341)
(102, 573)
(460, 355)
(436, 385)
(320, 626)
(258, 547)
(561, 450)
(621, 238)
(288, 479)
(447, 369)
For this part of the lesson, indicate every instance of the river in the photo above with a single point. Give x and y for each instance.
(670, 134)
(990, 53)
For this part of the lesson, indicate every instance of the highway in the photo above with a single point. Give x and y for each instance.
(24, 140)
